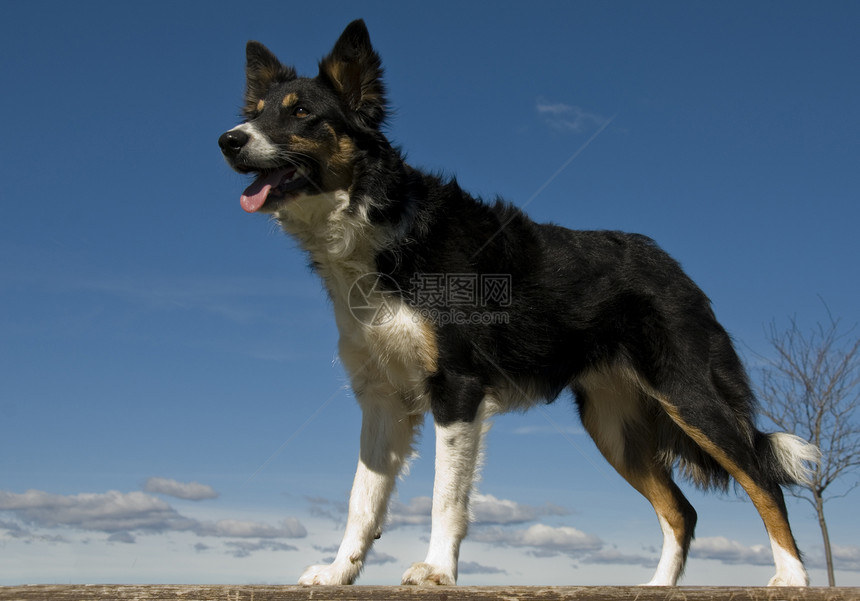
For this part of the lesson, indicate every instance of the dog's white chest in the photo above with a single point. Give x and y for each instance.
(385, 344)
(393, 355)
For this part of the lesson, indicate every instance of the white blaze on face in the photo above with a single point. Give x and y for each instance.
(259, 149)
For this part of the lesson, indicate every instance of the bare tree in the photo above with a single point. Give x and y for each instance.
(812, 388)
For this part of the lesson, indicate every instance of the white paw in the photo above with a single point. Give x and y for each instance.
(324, 575)
(425, 574)
(790, 578)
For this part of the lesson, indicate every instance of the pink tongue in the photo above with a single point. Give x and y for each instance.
(255, 195)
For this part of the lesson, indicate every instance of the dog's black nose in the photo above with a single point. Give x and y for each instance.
(233, 141)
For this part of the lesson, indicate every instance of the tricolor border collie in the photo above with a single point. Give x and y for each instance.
(406, 258)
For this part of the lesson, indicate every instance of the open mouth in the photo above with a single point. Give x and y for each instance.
(280, 184)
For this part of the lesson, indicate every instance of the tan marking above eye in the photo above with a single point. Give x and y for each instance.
(289, 99)
(260, 104)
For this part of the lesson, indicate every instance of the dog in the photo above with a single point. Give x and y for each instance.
(464, 309)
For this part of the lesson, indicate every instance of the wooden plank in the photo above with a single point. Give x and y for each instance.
(401, 593)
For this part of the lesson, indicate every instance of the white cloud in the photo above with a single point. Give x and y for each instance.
(486, 509)
(375, 557)
(112, 511)
(568, 118)
(414, 513)
(190, 491)
(14, 530)
(122, 537)
(616, 557)
(471, 567)
(545, 540)
(122, 514)
(730, 551)
(289, 528)
(326, 508)
(558, 108)
(846, 557)
(245, 548)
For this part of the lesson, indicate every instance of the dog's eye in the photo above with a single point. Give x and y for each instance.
(301, 112)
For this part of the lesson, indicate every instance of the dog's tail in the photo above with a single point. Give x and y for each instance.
(788, 459)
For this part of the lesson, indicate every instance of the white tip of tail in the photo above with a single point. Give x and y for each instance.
(796, 456)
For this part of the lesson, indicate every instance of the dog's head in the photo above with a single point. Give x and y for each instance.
(300, 134)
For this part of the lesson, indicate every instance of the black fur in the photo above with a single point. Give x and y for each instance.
(580, 303)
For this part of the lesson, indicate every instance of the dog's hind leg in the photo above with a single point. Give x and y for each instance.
(745, 464)
(615, 414)
(386, 442)
(716, 413)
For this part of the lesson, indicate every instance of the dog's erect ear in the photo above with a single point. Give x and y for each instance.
(354, 70)
(262, 69)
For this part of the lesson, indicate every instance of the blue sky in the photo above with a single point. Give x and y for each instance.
(171, 405)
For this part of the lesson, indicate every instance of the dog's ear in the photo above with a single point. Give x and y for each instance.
(354, 70)
(262, 69)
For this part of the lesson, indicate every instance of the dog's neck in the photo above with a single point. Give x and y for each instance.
(338, 236)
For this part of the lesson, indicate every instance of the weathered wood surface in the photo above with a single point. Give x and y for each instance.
(400, 593)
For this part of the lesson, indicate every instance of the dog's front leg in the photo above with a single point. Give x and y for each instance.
(386, 442)
(458, 451)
